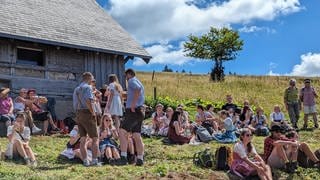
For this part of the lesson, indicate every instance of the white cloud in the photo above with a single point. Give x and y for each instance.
(251, 29)
(309, 66)
(165, 54)
(164, 20)
(271, 73)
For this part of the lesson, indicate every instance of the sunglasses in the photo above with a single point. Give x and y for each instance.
(249, 135)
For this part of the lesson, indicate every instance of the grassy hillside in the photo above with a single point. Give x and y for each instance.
(163, 160)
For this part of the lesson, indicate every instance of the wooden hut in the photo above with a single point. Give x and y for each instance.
(48, 44)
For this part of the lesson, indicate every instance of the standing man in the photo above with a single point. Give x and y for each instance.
(134, 115)
(86, 118)
(308, 96)
(292, 102)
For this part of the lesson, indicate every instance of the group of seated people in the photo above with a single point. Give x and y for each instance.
(223, 126)
(19, 116)
(108, 146)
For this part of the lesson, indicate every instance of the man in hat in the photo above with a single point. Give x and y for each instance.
(280, 152)
(292, 102)
(6, 107)
(308, 96)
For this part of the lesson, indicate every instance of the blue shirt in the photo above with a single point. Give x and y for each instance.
(83, 92)
(133, 85)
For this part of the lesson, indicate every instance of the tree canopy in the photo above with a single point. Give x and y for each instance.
(218, 45)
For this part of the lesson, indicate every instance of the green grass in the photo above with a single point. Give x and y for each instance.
(162, 160)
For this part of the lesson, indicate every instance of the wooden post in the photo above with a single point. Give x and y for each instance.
(155, 93)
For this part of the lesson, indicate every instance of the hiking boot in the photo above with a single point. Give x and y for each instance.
(122, 161)
(34, 163)
(139, 162)
(294, 165)
(131, 158)
(289, 168)
(86, 163)
(112, 161)
(95, 162)
(27, 161)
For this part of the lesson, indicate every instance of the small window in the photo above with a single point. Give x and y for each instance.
(30, 56)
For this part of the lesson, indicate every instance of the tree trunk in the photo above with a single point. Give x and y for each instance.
(217, 73)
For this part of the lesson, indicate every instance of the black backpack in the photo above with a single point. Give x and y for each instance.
(203, 158)
(222, 155)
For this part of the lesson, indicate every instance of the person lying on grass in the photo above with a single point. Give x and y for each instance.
(246, 161)
(19, 136)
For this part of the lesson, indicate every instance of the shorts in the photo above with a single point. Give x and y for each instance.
(309, 109)
(133, 120)
(275, 161)
(87, 124)
(41, 116)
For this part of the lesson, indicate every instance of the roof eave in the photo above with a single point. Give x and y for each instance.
(146, 58)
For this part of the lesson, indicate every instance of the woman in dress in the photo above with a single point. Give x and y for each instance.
(114, 104)
(246, 161)
(107, 145)
(228, 136)
(176, 133)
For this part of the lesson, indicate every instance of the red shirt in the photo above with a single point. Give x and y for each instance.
(268, 146)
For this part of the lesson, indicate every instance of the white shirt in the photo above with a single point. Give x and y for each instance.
(242, 151)
(25, 134)
(277, 117)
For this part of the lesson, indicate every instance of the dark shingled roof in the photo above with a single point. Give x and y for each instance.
(80, 24)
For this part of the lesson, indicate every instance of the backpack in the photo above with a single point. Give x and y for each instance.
(264, 131)
(223, 157)
(203, 158)
(203, 134)
(302, 93)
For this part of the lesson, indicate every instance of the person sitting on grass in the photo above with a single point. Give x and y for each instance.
(259, 123)
(72, 150)
(246, 161)
(38, 114)
(246, 117)
(279, 151)
(164, 127)
(176, 132)
(20, 103)
(158, 119)
(108, 148)
(228, 136)
(206, 120)
(6, 107)
(277, 118)
(305, 150)
(19, 136)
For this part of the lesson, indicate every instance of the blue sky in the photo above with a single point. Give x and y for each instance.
(280, 36)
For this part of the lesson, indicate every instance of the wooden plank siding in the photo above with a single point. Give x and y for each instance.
(61, 72)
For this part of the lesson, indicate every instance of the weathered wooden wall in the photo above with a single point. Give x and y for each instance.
(60, 74)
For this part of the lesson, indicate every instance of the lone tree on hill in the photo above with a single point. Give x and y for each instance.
(218, 45)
